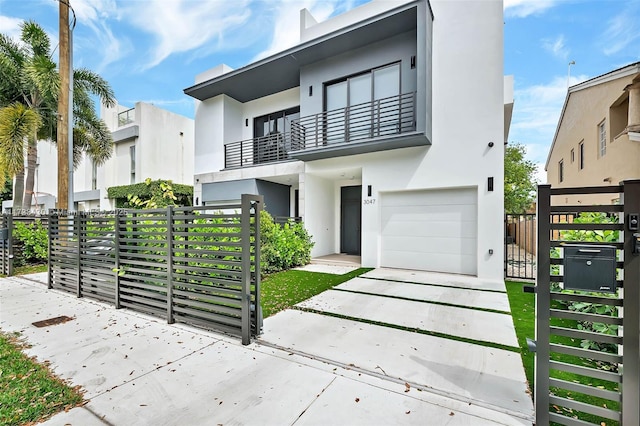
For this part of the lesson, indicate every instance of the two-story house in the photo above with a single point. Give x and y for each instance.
(597, 140)
(383, 129)
(149, 142)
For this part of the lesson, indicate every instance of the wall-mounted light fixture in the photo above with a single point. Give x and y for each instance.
(368, 190)
(490, 184)
(413, 62)
(310, 90)
(246, 122)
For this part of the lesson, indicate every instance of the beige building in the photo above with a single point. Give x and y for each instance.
(597, 141)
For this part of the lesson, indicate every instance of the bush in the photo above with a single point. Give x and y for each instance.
(34, 239)
(283, 247)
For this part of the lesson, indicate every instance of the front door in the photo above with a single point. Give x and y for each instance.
(350, 219)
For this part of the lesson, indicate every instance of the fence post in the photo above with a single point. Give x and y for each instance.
(543, 305)
(631, 312)
(116, 268)
(10, 245)
(50, 268)
(245, 235)
(77, 225)
(258, 317)
(170, 319)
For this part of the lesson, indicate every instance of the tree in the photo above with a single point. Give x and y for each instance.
(519, 180)
(29, 78)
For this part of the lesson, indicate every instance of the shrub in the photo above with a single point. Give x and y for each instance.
(34, 239)
(283, 246)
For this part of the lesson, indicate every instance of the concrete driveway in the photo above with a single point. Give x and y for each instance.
(436, 334)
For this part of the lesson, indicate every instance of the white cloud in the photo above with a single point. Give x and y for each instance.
(524, 8)
(183, 25)
(556, 47)
(10, 26)
(622, 30)
(536, 112)
(285, 19)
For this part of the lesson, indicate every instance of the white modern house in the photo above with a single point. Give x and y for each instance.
(383, 129)
(149, 142)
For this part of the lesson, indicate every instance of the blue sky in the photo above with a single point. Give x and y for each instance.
(150, 50)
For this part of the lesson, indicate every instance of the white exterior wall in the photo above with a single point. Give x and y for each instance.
(161, 153)
(468, 109)
(319, 208)
(459, 76)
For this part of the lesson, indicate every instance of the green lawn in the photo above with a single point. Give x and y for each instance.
(28, 391)
(282, 290)
(523, 312)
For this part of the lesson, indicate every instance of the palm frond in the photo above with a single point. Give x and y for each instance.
(36, 38)
(89, 81)
(45, 81)
(17, 124)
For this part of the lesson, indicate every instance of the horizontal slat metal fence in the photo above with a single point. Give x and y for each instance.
(6, 245)
(195, 265)
(582, 333)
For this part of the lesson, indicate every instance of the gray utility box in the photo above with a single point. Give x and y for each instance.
(4, 234)
(590, 268)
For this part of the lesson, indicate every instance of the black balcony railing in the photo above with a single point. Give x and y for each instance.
(355, 124)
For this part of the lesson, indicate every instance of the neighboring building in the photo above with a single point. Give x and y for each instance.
(383, 129)
(150, 142)
(597, 141)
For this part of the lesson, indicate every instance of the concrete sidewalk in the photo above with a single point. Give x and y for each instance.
(137, 369)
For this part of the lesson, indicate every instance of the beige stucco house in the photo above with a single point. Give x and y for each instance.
(597, 141)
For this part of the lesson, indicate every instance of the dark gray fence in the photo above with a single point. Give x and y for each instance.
(577, 315)
(6, 245)
(196, 265)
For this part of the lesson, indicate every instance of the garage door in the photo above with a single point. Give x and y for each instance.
(431, 230)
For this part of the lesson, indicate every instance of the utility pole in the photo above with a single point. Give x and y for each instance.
(63, 107)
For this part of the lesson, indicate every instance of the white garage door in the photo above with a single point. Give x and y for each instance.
(431, 230)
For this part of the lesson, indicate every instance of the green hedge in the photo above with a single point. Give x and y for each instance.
(283, 246)
(146, 190)
(34, 241)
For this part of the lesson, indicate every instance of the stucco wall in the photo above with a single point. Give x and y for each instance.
(584, 111)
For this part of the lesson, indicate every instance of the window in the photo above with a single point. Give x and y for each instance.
(573, 155)
(270, 135)
(581, 155)
(602, 139)
(132, 154)
(94, 175)
(561, 171)
(367, 102)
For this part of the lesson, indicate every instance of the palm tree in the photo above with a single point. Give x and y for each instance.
(29, 77)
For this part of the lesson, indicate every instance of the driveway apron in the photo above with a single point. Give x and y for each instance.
(443, 334)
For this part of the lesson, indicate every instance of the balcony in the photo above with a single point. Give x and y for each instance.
(379, 125)
(126, 117)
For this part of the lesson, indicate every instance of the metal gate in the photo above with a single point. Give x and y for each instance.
(196, 265)
(582, 374)
(6, 245)
(520, 246)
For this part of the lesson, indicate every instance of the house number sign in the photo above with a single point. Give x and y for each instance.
(369, 201)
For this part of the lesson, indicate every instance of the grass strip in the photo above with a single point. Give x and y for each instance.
(414, 330)
(431, 302)
(29, 392)
(488, 290)
(284, 289)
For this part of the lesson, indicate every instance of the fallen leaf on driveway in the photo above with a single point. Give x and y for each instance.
(357, 399)
(407, 386)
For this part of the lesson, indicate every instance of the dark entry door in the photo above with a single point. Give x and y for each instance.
(350, 219)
